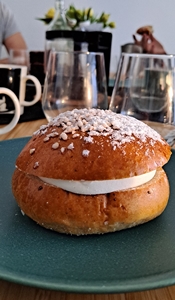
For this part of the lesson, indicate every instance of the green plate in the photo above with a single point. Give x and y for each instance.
(130, 260)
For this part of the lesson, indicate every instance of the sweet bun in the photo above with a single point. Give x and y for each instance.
(92, 171)
(145, 29)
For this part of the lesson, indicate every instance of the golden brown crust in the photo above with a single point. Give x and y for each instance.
(103, 162)
(66, 212)
(145, 29)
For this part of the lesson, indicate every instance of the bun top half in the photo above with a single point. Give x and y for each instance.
(93, 144)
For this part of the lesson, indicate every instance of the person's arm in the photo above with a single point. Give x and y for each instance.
(15, 41)
(11, 36)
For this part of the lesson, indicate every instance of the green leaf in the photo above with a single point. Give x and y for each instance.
(45, 20)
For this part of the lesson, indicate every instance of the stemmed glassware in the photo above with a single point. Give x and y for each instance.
(74, 80)
(144, 89)
(19, 57)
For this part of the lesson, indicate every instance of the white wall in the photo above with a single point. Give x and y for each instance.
(128, 15)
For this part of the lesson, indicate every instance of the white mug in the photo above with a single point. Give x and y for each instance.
(16, 116)
(14, 77)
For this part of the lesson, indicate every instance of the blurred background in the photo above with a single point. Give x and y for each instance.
(128, 16)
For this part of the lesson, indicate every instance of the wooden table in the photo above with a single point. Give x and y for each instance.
(13, 291)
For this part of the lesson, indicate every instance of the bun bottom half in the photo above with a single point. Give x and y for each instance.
(70, 213)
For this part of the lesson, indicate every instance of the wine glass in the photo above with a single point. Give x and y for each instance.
(19, 57)
(144, 89)
(74, 80)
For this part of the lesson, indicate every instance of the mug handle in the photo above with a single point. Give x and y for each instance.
(16, 117)
(37, 97)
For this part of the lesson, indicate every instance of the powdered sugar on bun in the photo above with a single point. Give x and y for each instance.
(96, 122)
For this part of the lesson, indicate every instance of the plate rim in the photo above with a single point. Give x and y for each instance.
(118, 286)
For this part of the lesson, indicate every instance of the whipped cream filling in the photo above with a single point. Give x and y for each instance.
(95, 187)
